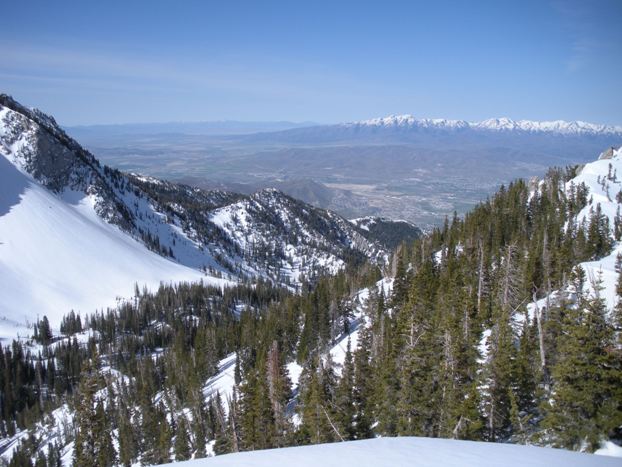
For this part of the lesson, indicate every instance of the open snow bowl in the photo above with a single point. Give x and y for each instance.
(406, 451)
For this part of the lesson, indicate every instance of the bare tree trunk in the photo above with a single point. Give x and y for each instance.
(508, 278)
(332, 425)
(273, 369)
(234, 429)
(491, 420)
(480, 279)
(538, 314)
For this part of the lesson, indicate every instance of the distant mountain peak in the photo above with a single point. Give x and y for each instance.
(408, 120)
(492, 124)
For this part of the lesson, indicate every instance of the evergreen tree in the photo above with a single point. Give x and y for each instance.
(587, 380)
(346, 411)
(127, 438)
(498, 374)
(316, 395)
(363, 386)
(93, 444)
(182, 441)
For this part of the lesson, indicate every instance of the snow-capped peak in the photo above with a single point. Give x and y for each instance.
(408, 120)
(491, 124)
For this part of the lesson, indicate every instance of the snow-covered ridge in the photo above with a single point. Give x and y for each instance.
(603, 178)
(293, 239)
(493, 124)
(367, 221)
(75, 234)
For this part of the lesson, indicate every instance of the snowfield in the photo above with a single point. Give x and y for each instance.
(406, 451)
(56, 255)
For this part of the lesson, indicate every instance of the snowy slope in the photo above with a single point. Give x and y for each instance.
(56, 255)
(75, 234)
(288, 239)
(603, 193)
(406, 451)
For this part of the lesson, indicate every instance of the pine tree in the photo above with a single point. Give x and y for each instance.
(617, 310)
(498, 374)
(346, 411)
(127, 438)
(316, 396)
(598, 234)
(106, 454)
(163, 442)
(418, 348)
(279, 393)
(363, 385)
(182, 441)
(225, 435)
(587, 381)
(401, 281)
(93, 443)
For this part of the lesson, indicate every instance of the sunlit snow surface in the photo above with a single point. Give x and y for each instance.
(56, 255)
(606, 197)
(407, 451)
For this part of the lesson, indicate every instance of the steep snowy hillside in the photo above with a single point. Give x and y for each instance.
(289, 237)
(406, 451)
(35, 144)
(58, 254)
(267, 234)
(75, 234)
(601, 179)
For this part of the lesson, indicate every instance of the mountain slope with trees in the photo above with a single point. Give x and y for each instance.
(496, 327)
(61, 209)
(499, 326)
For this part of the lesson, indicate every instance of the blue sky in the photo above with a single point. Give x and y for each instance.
(157, 61)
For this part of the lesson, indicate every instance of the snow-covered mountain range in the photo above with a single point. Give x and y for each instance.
(492, 124)
(76, 234)
(542, 137)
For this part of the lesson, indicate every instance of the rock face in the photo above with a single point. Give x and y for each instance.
(608, 153)
(39, 147)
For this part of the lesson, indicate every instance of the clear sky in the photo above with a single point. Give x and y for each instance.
(154, 61)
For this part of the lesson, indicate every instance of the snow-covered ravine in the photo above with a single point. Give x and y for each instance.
(223, 381)
(406, 451)
(57, 255)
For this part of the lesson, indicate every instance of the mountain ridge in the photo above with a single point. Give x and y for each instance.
(50, 181)
(490, 124)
